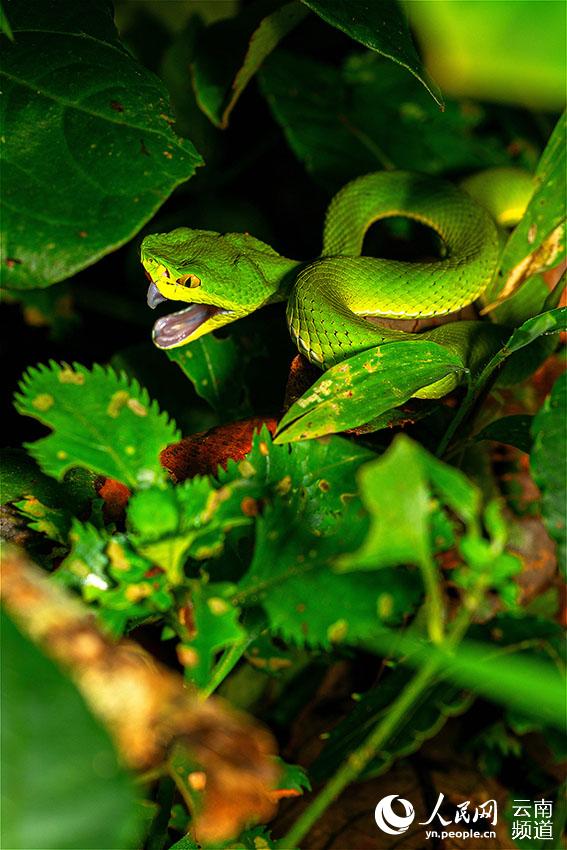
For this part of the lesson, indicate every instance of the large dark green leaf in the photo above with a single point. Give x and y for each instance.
(382, 27)
(62, 785)
(215, 367)
(291, 576)
(512, 430)
(361, 388)
(229, 53)
(368, 115)
(88, 153)
(311, 515)
(547, 461)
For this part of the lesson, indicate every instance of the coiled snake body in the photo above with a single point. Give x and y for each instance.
(224, 277)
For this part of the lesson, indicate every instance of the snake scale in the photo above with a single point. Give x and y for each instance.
(227, 276)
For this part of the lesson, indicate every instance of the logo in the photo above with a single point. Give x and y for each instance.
(388, 821)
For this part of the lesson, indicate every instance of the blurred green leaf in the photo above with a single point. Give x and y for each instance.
(100, 421)
(538, 241)
(512, 430)
(381, 27)
(504, 678)
(230, 52)
(5, 24)
(369, 115)
(293, 777)
(395, 494)
(397, 491)
(359, 389)
(548, 463)
(21, 476)
(63, 786)
(215, 367)
(109, 572)
(53, 522)
(169, 525)
(80, 102)
(215, 625)
(510, 52)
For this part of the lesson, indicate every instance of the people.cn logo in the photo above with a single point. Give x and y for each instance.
(388, 821)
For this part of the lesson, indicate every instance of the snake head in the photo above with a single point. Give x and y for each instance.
(220, 276)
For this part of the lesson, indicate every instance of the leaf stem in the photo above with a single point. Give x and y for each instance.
(358, 760)
(227, 662)
(397, 712)
(434, 608)
(471, 400)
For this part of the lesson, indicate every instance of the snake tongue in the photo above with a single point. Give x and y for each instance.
(154, 296)
(171, 330)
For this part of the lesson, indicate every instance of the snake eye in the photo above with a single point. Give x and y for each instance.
(190, 280)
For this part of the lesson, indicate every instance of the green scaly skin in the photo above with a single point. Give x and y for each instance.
(327, 299)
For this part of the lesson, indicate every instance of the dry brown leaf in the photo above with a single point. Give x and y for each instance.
(202, 453)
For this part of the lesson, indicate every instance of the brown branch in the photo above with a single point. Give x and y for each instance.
(144, 705)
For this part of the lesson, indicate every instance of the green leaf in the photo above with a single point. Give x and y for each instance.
(547, 463)
(291, 576)
(21, 476)
(214, 626)
(255, 838)
(53, 522)
(551, 322)
(395, 493)
(359, 389)
(293, 777)
(381, 27)
(186, 843)
(230, 52)
(506, 52)
(428, 717)
(368, 115)
(63, 786)
(311, 514)
(397, 490)
(109, 572)
(5, 24)
(100, 421)
(215, 368)
(511, 430)
(169, 525)
(79, 102)
(506, 679)
(538, 242)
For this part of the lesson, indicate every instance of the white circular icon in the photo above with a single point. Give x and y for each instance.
(388, 821)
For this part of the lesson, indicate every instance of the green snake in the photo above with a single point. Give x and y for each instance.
(227, 276)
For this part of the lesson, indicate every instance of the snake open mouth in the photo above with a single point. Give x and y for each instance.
(171, 330)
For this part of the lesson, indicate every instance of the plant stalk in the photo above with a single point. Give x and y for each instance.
(358, 760)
